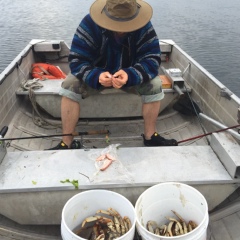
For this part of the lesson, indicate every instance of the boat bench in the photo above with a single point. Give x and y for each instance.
(117, 103)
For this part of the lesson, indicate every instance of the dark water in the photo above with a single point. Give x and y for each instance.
(208, 30)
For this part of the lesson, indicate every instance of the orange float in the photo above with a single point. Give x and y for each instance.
(44, 71)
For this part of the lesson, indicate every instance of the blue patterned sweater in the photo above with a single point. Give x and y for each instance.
(95, 50)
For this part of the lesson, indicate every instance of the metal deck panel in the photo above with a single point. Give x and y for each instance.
(146, 166)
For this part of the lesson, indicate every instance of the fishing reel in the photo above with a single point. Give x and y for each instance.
(3, 150)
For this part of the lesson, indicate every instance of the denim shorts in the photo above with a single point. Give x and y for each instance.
(77, 90)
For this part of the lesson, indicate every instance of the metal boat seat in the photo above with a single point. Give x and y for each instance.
(111, 103)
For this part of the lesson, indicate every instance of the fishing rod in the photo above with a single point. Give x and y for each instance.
(206, 134)
(93, 132)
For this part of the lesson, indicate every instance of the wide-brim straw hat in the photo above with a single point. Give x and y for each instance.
(121, 15)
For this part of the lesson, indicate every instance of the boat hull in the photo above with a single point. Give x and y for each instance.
(30, 184)
(45, 208)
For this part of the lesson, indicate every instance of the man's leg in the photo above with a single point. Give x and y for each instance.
(152, 94)
(71, 91)
(150, 113)
(151, 137)
(70, 112)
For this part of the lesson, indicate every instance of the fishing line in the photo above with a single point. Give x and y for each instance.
(193, 105)
(196, 112)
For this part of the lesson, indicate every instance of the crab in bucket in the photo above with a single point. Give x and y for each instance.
(175, 227)
(105, 225)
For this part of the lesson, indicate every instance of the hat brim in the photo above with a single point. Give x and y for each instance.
(100, 18)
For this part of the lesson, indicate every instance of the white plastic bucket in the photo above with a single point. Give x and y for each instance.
(157, 203)
(85, 204)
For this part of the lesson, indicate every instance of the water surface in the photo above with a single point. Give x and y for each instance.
(208, 30)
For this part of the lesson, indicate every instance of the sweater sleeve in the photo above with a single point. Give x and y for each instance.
(84, 52)
(148, 57)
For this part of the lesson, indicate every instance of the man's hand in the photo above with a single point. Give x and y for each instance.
(105, 79)
(119, 79)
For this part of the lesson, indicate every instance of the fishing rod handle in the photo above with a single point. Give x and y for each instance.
(3, 131)
(93, 132)
(98, 132)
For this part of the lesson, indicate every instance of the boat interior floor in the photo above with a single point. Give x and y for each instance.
(124, 131)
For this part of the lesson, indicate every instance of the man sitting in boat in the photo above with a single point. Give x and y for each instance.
(115, 46)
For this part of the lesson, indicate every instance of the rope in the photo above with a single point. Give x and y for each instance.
(31, 84)
(38, 119)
